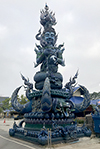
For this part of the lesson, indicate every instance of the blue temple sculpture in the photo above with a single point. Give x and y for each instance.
(51, 106)
(96, 119)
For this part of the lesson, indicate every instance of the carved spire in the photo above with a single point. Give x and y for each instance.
(47, 17)
(47, 20)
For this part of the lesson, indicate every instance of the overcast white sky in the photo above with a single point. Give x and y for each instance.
(78, 25)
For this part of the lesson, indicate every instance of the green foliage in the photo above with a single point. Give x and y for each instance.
(6, 104)
(22, 99)
(95, 95)
(79, 120)
(1, 110)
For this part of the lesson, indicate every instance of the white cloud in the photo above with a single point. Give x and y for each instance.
(3, 32)
(94, 51)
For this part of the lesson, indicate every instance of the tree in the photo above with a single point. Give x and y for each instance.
(95, 95)
(22, 99)
(6, 104)
(1, 110)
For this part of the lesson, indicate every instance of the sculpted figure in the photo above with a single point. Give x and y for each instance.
(49, 56)
(47, 53)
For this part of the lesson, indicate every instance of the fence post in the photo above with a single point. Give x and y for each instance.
(49, 138)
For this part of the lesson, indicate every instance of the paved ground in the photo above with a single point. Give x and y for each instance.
(7, 142)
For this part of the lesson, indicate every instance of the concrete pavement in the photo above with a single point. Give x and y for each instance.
(8, 124)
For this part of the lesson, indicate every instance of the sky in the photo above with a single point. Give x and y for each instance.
(78, 27)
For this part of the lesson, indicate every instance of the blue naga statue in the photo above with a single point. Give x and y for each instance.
(50, 104)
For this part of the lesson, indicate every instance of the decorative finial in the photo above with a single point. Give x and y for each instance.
(46, 7)
(47, 18)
